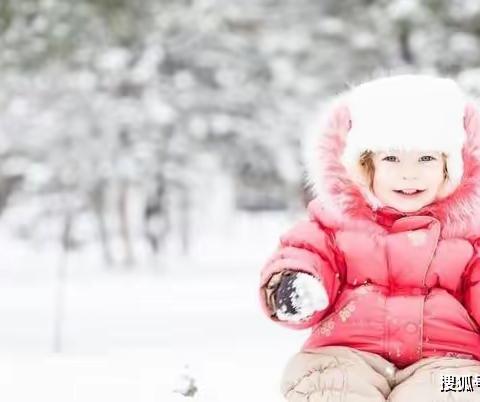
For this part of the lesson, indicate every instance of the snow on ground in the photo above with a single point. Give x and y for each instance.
(129, 335)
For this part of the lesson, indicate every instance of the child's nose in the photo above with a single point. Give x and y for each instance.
(409, 176)
(409, 173)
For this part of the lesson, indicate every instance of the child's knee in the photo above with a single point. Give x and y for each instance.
(439, 379)
(325, 378)
(331, 377)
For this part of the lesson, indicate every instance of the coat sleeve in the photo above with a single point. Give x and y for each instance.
(471, 284)
(309, 248)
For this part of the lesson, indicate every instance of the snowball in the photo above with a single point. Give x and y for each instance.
(316, 297)
(309, 296)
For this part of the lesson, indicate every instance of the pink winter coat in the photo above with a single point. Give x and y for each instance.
(402, 285)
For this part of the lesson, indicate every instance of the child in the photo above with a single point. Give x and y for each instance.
(385, 271)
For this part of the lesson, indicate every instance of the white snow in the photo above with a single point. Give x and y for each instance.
(138, 335)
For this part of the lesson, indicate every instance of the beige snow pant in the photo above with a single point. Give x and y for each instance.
(343, 374)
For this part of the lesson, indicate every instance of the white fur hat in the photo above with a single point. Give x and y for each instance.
(406, 112)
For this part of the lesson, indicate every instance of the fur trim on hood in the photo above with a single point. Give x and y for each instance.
(444, 118)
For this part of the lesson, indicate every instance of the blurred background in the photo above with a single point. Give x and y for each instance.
(150, 159)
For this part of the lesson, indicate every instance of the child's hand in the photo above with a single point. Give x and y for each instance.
(271, 288)
(298, 296)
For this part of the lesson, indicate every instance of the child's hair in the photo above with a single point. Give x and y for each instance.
(368, 167)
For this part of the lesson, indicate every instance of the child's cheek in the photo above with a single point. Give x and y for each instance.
(383, 178)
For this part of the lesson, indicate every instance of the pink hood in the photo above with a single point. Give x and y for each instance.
(342, 203)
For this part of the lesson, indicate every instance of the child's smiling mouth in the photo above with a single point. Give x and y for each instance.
(409, 192)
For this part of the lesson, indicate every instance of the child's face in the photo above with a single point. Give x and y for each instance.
(404, 170)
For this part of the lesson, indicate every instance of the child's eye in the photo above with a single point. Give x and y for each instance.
(386, 158)
(428, 156)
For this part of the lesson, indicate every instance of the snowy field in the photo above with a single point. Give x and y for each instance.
(132, 335)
